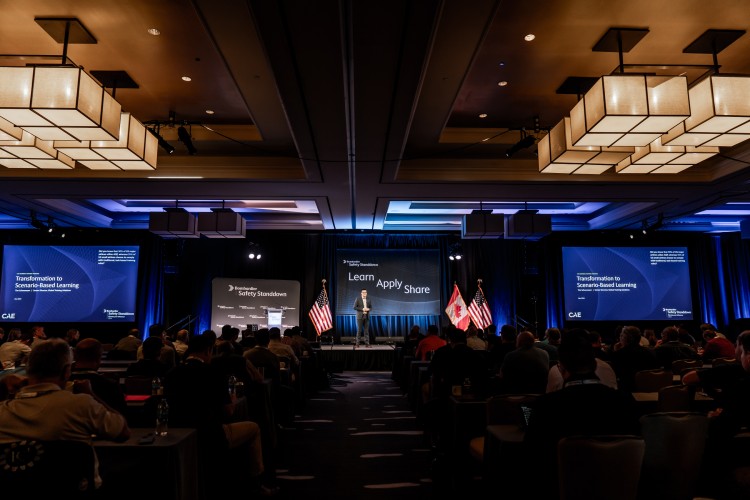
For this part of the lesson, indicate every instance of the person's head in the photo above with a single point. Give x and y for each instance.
(200, 346)
(508, 334)
(226, 332)
(37, 332)
(491, 330)
(157, 330)
(456, 336)
(262, 337)
(432, 330)
(152, 347)
(743, 349)
(525, 340)
(596, 339)
(670, 334)
(707, 326)
(363, 293)
(88, 353)
(630, 336)
(182, 335)
(72, 335)
(50, 361)
(274, 333)
(134, 332)
(414, 332)
(552, 335)
(15, 334)
(210, 335)
(576, 357)
(2, 333)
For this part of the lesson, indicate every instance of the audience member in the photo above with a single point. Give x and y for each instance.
(13, 352)
(603, 372)
(88, 358)
(276, 346)
(37, 335)
(454, 363)
(671, 349)
(127, 346)
(524, 370)
(181, 343)
(430, 343)
(550, 343)
(473, 340)
(584, 406)
(596, 344)
(72, 336)
(149, 365)
(507, 343)
(167, 354)
(262, 358)
(411, 341)
(300, 343)
(716, 347)
(43, 410)
(632, 357)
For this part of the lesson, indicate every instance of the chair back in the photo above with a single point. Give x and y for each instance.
(506, 408)
(41, 469)
(587, 465)
(675, 442)
(652, 380)
(723, 361)
(675, 398)
(679, 365)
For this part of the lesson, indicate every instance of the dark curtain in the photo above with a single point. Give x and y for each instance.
(151, 286)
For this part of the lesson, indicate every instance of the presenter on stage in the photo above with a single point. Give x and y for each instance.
(363, 305)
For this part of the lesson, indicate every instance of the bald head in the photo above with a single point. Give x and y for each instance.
(525, 340)
(88, 353)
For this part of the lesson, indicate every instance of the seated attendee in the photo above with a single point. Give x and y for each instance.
(550, 343)
(524, 370)
(473, 340)
(584, 406)
(88, 358)
(127, 346)
(671, 349)
(596, 344)
(430, 343)
(181, 343)
(454, 363)
(198, 397)
(167, 355)
(37, 334)
(632, 357)
(230, 334)
(261, 357)
(299, 343)
(149, 365)
(72, 336)
(603, 372)
(14, 352)
(43, 410)
(716, 347)
(276, 346)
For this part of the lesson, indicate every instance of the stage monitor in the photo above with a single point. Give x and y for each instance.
(72, 284)
(626, 283)
(398, 282)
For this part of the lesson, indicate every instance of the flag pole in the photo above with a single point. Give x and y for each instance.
(323, 283)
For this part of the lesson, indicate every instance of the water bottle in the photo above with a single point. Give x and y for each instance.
(162, 417)
(232, 387)
(156, 388)
(467, 385)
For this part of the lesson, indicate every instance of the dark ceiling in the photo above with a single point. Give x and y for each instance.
(337, 115)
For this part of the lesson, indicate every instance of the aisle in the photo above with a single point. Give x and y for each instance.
(357, 439)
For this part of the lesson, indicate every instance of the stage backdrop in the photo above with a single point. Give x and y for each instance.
(399, 282)
(242, 302)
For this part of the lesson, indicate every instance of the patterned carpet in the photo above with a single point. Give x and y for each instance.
(356, 439)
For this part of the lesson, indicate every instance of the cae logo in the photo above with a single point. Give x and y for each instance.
(574, 314)
(8, 316)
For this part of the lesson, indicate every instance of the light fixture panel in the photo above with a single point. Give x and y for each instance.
(591, 168)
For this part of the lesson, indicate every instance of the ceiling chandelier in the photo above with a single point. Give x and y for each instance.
(55, 116)
(651, 124)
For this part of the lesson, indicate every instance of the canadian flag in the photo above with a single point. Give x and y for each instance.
(457, 311)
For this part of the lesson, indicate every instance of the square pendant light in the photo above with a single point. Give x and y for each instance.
(657, 158)
(136, 148)
(629, 110)
(31, 152)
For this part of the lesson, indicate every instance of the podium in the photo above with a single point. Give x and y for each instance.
(274, 317)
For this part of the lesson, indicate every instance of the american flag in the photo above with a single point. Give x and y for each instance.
(479, 310)
(320, 313)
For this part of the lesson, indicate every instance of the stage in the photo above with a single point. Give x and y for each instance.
(338, 358)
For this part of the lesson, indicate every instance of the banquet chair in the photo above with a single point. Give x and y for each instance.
(501, 409)
(675, 398)
(675, 442)
(680, 365)
(604, 467)
(652, 380)
(47, 469)
(723, 361)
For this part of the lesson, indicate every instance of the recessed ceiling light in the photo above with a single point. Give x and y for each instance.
(154, 31)
(483, 115)
(209, 111)
(502, 83)
(501, 63)
(186, 79)
(529, 37)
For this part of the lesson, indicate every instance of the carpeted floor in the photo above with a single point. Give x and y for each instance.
(356, 439)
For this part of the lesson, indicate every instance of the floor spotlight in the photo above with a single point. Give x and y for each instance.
(184, 137)
(167, 147)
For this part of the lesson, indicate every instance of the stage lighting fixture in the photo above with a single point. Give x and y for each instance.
(184, 137)
(255, 252)
(167, 147)
(455, 252)
(526, 142)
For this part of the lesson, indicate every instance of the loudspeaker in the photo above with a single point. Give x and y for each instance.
(173, 223)
(527, 225)
(482, 225)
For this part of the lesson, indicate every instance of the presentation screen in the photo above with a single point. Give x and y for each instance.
(266, 303)
(626, 283)
(398, 282)
(69, 283)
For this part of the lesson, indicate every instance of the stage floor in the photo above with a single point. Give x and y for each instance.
(338, 358)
